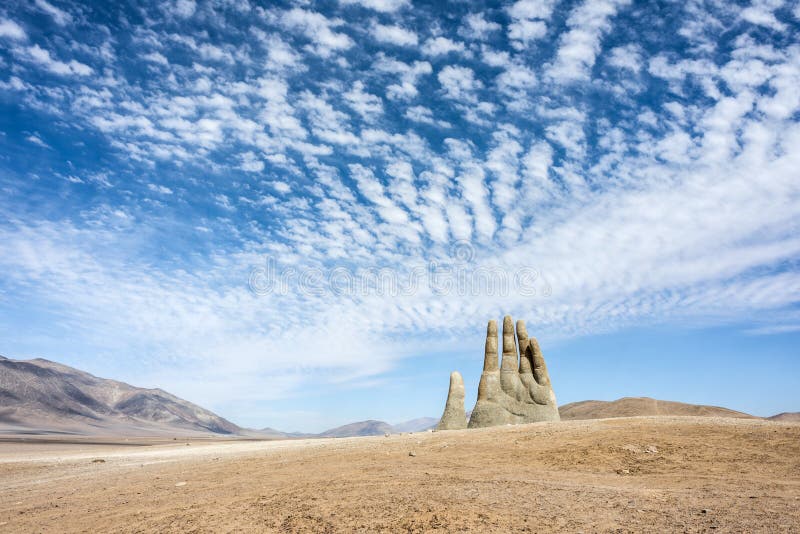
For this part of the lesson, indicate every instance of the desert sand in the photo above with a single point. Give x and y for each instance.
(640, 474)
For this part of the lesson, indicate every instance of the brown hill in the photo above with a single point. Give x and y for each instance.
(786, 417)
(39, 396)
(361, 428)
(636, 406)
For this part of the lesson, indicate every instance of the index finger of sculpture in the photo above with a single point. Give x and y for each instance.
(490, 353)
(454, 416)
(509, 362)
(539, 367)
(525, 366)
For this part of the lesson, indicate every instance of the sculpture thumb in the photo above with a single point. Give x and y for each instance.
(454, 416)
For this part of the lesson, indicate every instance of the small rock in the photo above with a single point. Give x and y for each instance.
(651, 449)
(386, 435)
(704, 511)
(412, 453)
(179, 484)
(98, 461)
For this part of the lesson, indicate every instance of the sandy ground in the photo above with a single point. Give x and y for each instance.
(650, 474)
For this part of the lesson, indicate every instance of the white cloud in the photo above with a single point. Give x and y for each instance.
(383, 6)
(251, 162)
(184, 8)
(394, 35)
(374, 191)
(329, 124)
(318, 29)
(627, 57)
(517, 82)
(61, 17)
(155, 57)
(536, 171)
(578, 48)
(439, 46)
(761, 13)
(523, 32)
(495, 58)
(162, 189)
(477, 27)
(365, 104)
(503, 162)
(425, 116)
(11, 30)
(570, 136)
(279, 54)
(36, 140)
(215, 53)
(409, 74)
(529, 21)
(282, 187)
(472, 180)
(459, 83)
(42, 57)
(278, 114)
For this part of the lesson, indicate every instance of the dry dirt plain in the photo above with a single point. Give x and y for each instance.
(644, 474)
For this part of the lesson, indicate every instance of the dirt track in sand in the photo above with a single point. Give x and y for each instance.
(653, 474)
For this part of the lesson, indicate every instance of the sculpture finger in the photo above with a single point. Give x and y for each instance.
(525, 365)
(539, 367)
(509, 362)
(454, 416)
(490, 354)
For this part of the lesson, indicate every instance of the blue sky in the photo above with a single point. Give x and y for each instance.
(630, 169)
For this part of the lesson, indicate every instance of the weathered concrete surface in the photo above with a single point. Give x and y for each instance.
(454, 417)
(518, 391)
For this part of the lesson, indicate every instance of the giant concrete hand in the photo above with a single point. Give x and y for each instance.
(517, 392)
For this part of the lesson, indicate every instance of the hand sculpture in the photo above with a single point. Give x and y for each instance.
(518, 392)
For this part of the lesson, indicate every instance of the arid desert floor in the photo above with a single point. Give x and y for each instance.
(646, 474)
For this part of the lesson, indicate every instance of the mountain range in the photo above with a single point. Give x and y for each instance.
(39, 396)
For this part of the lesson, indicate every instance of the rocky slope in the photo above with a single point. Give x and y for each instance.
(40, 396)
(786, 417)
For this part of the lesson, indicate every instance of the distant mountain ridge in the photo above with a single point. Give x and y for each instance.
(416, 425)
(41, 395)
(369, 427)
(360, 428)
